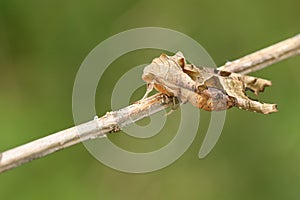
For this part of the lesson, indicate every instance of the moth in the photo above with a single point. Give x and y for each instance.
(206, 88)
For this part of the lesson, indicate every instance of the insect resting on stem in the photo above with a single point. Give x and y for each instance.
(206, 88)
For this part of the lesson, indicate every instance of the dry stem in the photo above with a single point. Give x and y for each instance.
(115, 120)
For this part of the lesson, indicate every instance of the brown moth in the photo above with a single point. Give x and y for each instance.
(206, 88)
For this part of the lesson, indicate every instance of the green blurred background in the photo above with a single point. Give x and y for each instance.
(43, 43)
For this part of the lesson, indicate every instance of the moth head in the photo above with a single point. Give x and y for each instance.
(148, 77)
(154, 70)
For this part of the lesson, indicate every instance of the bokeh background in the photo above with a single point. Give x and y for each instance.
(43, 43)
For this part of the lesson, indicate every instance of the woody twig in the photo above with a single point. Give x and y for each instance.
(114, 121)
(265, 57)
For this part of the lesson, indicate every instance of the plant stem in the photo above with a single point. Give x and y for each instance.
(115, 120)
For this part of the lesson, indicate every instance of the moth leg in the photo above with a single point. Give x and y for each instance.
(169, 112)
(174, 107)
(255, 106)
(149, 89)
(176, 103)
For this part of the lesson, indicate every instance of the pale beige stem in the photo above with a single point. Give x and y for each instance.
(114, 121)
(265, 57)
